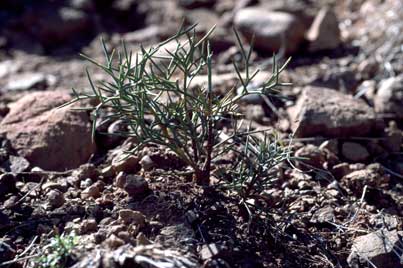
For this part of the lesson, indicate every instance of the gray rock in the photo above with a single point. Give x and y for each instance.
(55, 198)
(327, 112)
(354, 152)
(377, 249)
(389, 97)
(147, 163)
(128, 216)
(18, 164)
(135, 186)
(272, 30)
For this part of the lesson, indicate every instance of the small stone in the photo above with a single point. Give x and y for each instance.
(389, 97)
(210, 251)
(311, 157)
(377, 249)
(88, 226)
(55, 198)
(135, 186)
(128, 216)
(126, 163)
(86, 171)
(323, 215)
(17, 164)
(92, 191)
(120, 180)
(355, 152)
(85, 183)
(147, 163)
(324, 32)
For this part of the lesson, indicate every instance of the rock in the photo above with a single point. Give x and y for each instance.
(86, 171)
(17, 164)
(323, 215)
(126, 163)
(135, 186)
(48, 137)
(311, 157)
(7, 184)
(324, 32)
(271, 30)
(128, 216)
(92, 191)
(326, 112)
(28, 81)
(120, 180)
(212, 250)
(372, 176)
(389, 97)
(377, 249)
(354, 152)
(175, 235)
(147, 162)
(88, 226)
(55, 198)
(55, 27)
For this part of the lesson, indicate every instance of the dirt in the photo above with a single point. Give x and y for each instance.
(313, 211)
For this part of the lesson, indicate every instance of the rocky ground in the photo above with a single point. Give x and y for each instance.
(342, 206)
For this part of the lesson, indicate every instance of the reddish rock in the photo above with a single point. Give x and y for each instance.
(329, 113)
(49, 137)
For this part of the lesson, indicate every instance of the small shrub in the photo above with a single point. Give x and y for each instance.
(152, 93)
(57, 253)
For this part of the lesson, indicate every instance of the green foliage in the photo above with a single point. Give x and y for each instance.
(152, 92)
(57, 252)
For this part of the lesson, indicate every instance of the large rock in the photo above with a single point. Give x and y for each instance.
(271, 29)
(48, 137)
(327, 112)
(55, 27)
(377, 249)
(389, 97)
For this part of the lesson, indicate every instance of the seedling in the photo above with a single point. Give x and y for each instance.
(151, 91)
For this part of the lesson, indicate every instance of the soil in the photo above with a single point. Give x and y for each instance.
(313, 211)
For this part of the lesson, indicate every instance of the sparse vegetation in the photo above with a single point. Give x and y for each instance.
(152, 92)
(57, 252)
